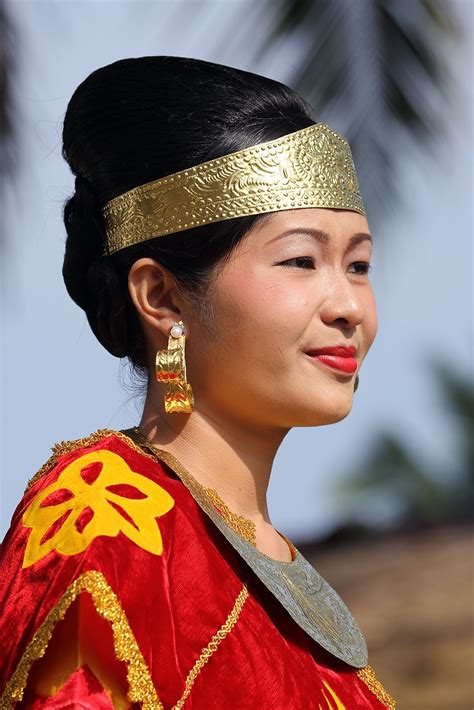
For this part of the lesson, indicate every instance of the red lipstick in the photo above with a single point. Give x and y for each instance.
(339, 357)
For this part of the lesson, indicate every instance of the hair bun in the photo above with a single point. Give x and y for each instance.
(90, 279)
(82, 183)
(86, 236)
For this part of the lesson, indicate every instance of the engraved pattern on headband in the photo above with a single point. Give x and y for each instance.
(312, 167)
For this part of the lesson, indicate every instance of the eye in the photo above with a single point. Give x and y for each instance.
(302, 259)
(364, 267)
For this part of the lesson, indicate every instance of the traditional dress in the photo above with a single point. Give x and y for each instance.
(118, 590)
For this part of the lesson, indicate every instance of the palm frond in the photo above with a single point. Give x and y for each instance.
(7, 39)
(373, 70)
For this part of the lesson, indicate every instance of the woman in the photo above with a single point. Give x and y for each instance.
(141, 568)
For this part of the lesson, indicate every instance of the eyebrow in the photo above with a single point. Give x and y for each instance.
(323, 237)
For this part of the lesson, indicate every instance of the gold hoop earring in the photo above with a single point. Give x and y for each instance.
(171, 369)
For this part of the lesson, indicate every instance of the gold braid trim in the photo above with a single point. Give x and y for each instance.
(367, 676)
(65, 447)
(212, 646)
(244, 527)
(140, 685)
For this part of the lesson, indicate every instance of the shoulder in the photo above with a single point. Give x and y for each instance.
(106, 521)
(101, 486)
(102, 503)
(87, 523)
(101, 440)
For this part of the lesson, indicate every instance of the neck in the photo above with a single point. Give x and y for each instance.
(229, 456)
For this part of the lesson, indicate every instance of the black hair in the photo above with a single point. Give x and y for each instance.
(140, 119)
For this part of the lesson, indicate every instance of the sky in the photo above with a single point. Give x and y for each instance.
(58, 383)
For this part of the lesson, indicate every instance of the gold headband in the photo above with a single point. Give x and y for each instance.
(312, 167)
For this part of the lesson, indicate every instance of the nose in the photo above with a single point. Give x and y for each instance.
(343, 304)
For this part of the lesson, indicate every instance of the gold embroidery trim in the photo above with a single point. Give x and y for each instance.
(140, 685)
(212, 646)
(65, 447)
(367, 676)
(243, 526)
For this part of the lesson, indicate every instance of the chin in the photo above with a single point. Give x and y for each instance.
(325, 412)
(333, 417)
(319, 417)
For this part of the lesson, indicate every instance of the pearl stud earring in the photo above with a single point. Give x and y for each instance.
(177, 330)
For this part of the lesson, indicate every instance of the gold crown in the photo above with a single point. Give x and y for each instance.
(312, 167)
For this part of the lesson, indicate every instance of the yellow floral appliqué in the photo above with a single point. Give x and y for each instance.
(337, 703)
(96, 494)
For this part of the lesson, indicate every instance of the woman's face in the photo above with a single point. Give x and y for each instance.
(287, 289)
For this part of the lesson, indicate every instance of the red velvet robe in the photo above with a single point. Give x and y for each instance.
(118, 591)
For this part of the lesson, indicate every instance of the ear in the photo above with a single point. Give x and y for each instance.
(155, 294)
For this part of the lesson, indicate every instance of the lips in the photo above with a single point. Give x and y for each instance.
(339, 357)
(338, 350)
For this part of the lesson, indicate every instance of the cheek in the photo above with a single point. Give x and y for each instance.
(263, 309)
(369, 326)
(371, 318)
